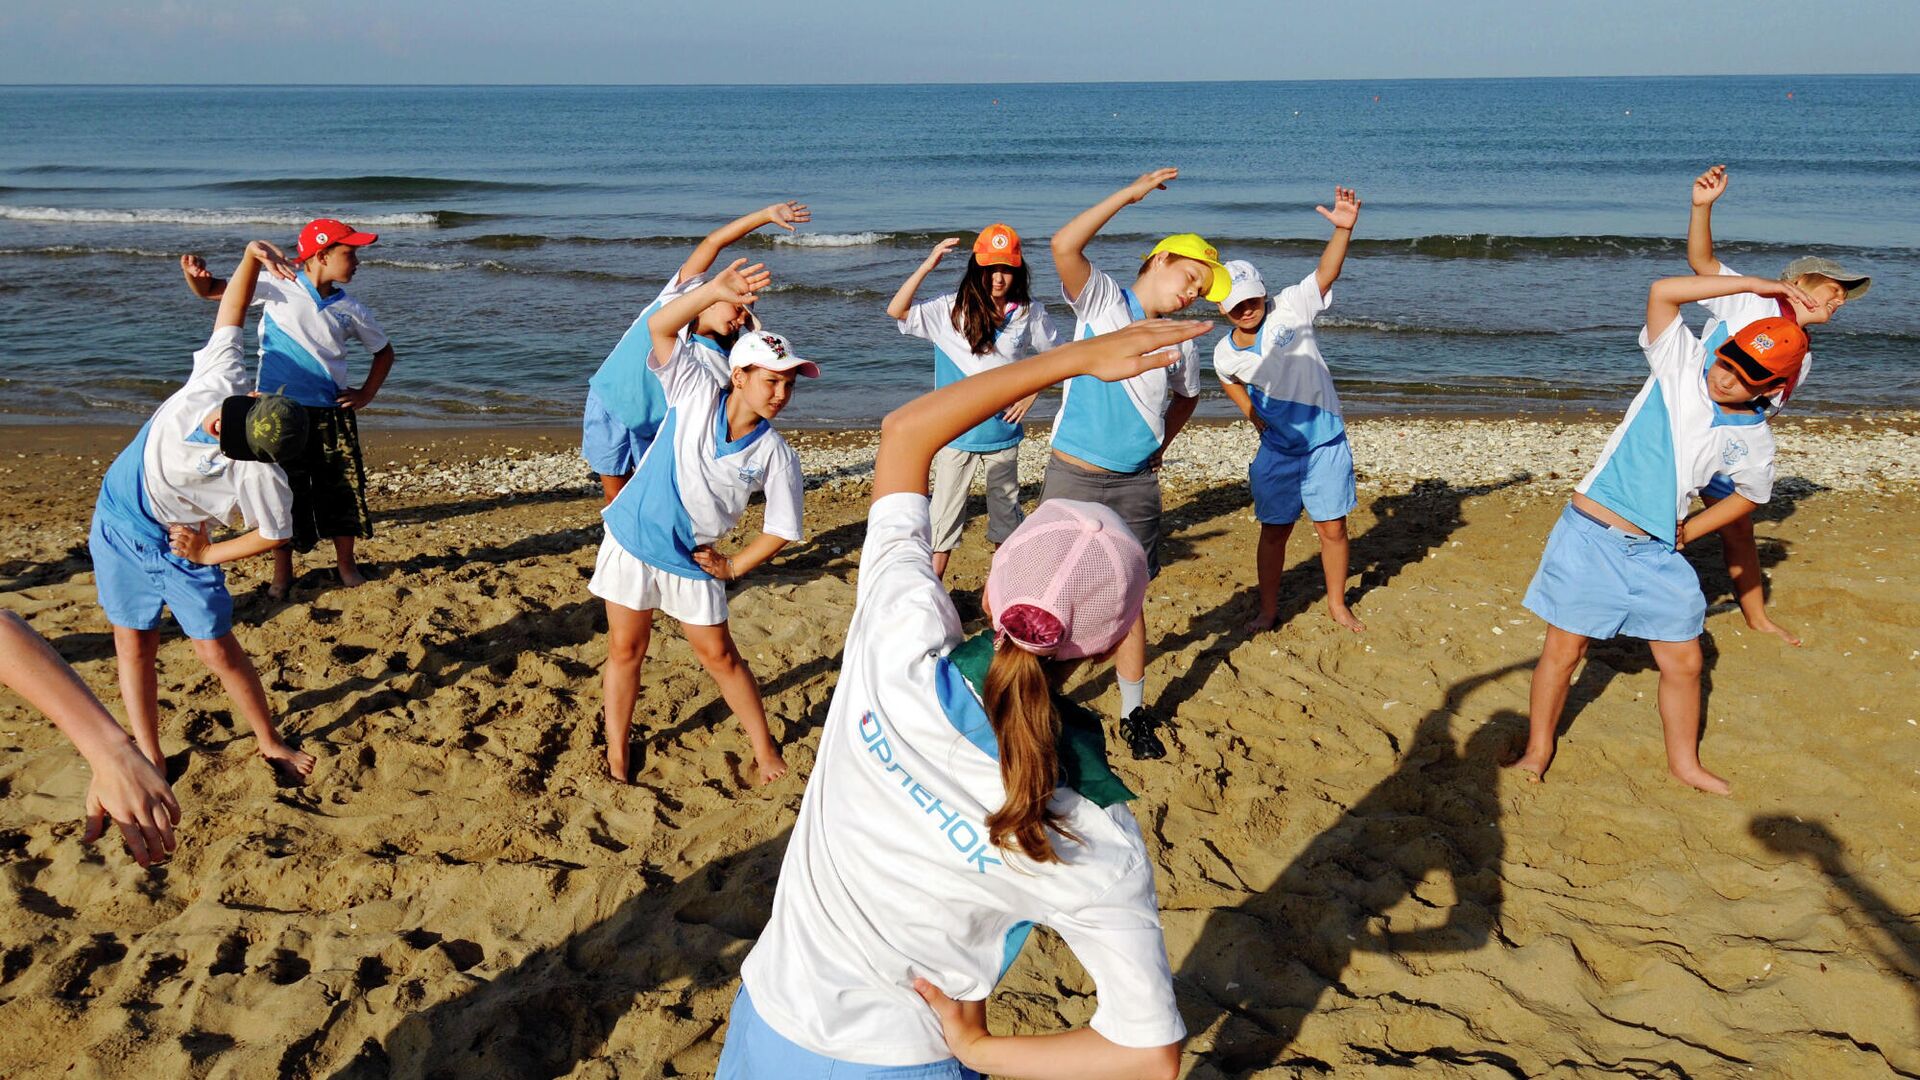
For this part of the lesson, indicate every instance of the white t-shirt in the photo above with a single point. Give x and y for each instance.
(694, 482)
(1674, 439)
(889, 875)
(1028, 330)
(1119, 425)
(304, 337)
(625, 384)
(1733, 313)
(1283, 371)
(188, 480)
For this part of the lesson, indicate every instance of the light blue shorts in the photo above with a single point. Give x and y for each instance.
(1717, 488)
(754, 1051)
(1599, 582)
(609, 445)
(137, 575)
(1319, 481)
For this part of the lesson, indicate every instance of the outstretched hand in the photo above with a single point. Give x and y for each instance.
(1710, 185)
(1346, 208)
(1157, 180)
(788, 214)
(962, 1023)
(133, 794)
(1143, 346)
(1785, 290)
(269, 257)
(740, 283)
(941, 250)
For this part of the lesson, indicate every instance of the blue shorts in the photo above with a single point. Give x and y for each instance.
(1717, 488)
(1319, 481)
(1598, 582)
(754, 1051)
(609, 445)
(136, 575)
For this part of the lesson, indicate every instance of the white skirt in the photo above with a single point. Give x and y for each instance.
(622, 578)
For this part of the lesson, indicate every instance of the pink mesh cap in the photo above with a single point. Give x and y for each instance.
(1069, 582)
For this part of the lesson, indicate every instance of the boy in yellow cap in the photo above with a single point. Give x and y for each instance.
(1108, 438)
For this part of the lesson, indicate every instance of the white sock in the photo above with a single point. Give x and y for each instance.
(1133, 694)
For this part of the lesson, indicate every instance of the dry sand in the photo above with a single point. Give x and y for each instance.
(1351, 885)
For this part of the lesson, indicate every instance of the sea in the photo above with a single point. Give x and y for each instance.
(1509, 232)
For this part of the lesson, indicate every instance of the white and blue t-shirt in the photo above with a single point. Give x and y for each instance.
(1118, 425)
(304, 336)
(889, 874)
(173, 472)
(694, 482)
(1735, 313)
(1027, 331)
(1674, 439)
(626, 384)
(1284, 374)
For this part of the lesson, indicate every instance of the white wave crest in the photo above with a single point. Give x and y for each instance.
(416, 264)
(74, 250)
(860, 239)
(56, 214)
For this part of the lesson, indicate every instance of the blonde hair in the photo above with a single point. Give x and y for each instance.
(1019, 705)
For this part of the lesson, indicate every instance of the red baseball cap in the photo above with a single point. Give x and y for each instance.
(1765, 350)
(323, 232)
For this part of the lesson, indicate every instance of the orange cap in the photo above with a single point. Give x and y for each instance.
(997, 245)
(1765, 350)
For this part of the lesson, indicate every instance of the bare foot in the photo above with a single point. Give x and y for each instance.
(288, 762)
(618, 765)
(1698, 777)
(1768, 626)
(1533, 765)
(351, 577)
(1261, 623)
(280, 590)
(1344, 615)
(772, 767)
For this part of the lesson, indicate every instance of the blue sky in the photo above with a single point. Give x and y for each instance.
(755, 41)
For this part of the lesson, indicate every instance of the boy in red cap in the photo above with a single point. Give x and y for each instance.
(1613, 564)
(1830, 286)
(306, 328)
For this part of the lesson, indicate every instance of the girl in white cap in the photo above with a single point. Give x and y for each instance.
(957, 800)
(715, 447)
(989, 321)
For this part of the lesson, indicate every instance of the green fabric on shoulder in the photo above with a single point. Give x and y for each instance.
(1083, 741)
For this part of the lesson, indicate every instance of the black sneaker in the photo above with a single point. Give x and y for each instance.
(1137, 729)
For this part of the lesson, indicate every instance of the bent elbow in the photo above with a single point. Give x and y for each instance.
(1164, 1063)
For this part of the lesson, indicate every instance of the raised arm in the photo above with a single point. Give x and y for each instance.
(912, 433)
(737, 284)
(784, 214)
(1669, 295)
(207, 287)
(903, 299)
(1707, 188)
(125, 786)
(237, 293)
(1345, 212)
(1070, 243)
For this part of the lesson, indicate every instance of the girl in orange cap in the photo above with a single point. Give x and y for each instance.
(989, 322)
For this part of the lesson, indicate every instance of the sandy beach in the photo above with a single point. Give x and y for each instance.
(1351, 886)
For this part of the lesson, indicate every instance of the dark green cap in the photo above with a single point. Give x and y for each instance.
(271, 427)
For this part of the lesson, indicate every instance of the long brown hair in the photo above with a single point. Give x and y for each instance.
(1020, 706)
(973, 311)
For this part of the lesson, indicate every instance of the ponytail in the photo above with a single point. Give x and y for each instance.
(1019, 705)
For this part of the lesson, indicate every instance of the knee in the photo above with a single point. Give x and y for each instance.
(1682, 664)
(626, 649)
(1562, 653)
(717, 654)
(1332, 532)
(217, 653)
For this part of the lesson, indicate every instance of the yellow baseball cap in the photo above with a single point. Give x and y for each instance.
(1193, 246)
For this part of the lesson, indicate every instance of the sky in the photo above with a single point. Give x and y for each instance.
(890, 41)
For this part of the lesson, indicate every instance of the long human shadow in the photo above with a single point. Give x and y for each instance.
(1261, 968)
(1878, 925)
(1406, 527)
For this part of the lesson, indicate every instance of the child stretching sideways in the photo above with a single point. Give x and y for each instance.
(714, 449)
(1270, 365)
(1613, 563)
(208, 451)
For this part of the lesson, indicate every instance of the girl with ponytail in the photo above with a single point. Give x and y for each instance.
(988, 322)
(957, 799)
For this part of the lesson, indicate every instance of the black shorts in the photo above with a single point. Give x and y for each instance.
(329, 480)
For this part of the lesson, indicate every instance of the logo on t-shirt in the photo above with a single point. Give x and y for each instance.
(961, 836)
(1284, 338)
(212, 463)
(750, 473)
(1733, 453)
